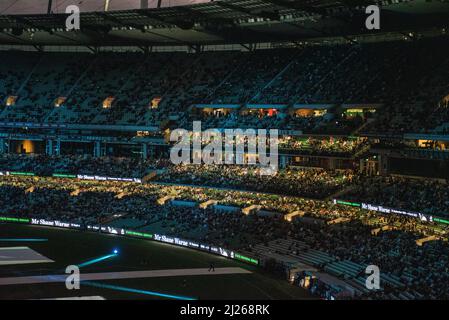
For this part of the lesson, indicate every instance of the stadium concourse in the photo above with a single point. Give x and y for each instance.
(362, 121)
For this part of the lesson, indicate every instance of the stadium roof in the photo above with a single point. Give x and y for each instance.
(226, 21)
(58, 6)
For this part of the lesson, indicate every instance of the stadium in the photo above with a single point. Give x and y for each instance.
(134, 138)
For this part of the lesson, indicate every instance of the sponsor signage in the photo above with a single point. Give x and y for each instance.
(123, 232)
(55, 223)
(73, 176)
(12, 219)
(195, 245)
(101, 178)
(378, 208)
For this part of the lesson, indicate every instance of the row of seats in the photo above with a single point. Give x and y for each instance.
(410, 78)
(353, 273)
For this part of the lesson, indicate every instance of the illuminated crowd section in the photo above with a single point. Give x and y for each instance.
(247, 226)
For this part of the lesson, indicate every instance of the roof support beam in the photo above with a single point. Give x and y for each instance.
(106, 5)
(297, 6)
(50, 4)
(263, 14)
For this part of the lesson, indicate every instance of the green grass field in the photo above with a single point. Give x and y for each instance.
(70, 247)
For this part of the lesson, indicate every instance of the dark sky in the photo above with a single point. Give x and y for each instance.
(40, 6)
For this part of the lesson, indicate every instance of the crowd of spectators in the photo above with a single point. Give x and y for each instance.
(43, 165)
(422, 195)
(310, 183)
(409, 78)
(422, 270)
(134, 206)
(429, 196)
